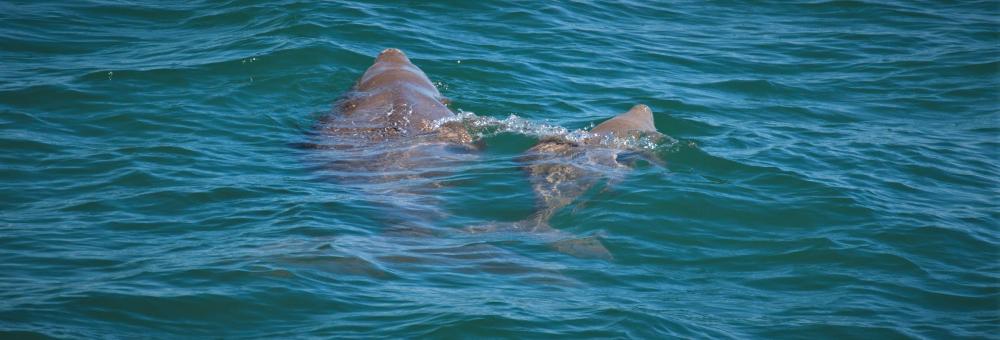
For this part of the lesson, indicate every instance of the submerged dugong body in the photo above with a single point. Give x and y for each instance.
(561, 170)
(384, 136)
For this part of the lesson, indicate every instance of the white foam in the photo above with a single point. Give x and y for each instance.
(483, 127)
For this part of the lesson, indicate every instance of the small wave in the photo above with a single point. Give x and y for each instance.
(754, 86)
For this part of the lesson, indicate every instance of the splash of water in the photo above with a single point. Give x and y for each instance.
(484, 126)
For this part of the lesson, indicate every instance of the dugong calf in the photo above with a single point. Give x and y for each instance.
(561, 170)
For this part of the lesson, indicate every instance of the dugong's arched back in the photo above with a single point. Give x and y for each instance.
(383, 137)
(392, 98)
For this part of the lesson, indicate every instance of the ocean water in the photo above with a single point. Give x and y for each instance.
(832, 171)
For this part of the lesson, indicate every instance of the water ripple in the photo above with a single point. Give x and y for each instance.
(831, 165)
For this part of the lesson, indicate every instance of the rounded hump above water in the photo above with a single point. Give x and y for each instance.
(637, 119)
(392, 55)
(391, 66)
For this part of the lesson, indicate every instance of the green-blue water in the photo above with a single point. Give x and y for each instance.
(835, 173)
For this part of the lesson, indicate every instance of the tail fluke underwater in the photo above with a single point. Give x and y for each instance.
(589, 247)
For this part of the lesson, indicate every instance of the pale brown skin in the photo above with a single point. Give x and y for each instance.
(384, 140)
(562, 170)
(393, 98)
(638, 119)
(395, 101)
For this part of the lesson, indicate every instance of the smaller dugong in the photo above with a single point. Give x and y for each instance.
(637, 120)
(561, 170)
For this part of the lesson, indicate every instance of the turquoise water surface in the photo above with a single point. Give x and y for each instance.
(832, 171)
